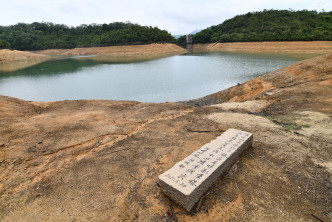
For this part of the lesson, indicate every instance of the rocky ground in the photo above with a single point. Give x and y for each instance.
(100, 160)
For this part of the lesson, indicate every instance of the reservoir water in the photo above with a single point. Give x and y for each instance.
(174, 78)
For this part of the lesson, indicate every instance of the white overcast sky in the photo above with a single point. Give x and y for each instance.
(175, 16)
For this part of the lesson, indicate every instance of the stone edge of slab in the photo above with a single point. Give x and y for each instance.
(189, 201)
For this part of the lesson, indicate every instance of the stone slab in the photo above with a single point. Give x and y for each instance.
(188, 180)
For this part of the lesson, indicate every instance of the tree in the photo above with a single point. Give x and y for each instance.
(181, 39)
(4, 44)
(45, 35)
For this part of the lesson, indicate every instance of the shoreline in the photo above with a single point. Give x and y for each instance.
(12, 60)
(165, 49)
(268, 47)
(126, 50)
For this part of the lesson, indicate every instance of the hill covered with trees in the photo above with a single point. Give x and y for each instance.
(37, 36)
(271, 25)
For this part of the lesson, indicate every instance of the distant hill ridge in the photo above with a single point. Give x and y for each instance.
(46, 35)
(271, 25)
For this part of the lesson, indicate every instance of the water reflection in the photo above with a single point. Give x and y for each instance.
(17, 65)
(65, 65)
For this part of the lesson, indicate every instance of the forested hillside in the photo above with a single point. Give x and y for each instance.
(271, 25)
(37, 36)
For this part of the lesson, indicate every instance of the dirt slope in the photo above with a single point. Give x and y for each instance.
(128, 50)
(12, 60)
(282, 47)
(7, 55)
(99, 160)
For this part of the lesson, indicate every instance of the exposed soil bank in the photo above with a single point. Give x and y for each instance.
(273, 47)
(11, 60)
(169, 49)
(100, 160)
(128, 50)
(7, 55)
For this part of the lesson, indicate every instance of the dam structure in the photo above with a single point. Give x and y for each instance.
(189, 43)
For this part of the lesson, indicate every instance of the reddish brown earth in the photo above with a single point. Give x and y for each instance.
(98, 160)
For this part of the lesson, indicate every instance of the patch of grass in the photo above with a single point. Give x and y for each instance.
(288, 122)
(291, 127)
(306, 126)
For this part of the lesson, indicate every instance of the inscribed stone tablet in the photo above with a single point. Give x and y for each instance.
(189, 179)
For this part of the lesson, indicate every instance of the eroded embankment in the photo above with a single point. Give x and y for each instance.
(272, 47)
(127, 50)
(12, 60)
(99, 160)
(7, 55)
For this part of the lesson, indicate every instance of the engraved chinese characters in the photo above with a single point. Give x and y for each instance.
(190, 177)
(200, 163)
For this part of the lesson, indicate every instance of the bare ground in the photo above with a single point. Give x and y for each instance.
(99, 160)
(11, 60)
(15, 55)
(127, 50)
(315, 47)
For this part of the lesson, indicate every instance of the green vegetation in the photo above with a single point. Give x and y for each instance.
(181, 39)
(289, 122)
(37, 36)
(268, 25)
(271, 25)
(4, 44)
